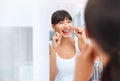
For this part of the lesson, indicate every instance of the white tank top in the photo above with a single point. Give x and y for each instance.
(66, 67)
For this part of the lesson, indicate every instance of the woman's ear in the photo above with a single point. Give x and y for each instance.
(53, 26)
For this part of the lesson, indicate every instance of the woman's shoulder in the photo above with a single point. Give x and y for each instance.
(50, 43)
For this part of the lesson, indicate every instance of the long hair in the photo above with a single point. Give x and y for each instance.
(102, 19)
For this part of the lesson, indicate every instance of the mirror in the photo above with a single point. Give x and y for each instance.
(60, 66)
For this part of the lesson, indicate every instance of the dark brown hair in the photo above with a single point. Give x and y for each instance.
(102, 19)
(60, 15)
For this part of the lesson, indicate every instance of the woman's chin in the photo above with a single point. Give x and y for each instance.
(66, 36)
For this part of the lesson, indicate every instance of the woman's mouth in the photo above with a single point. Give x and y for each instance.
(65, 32)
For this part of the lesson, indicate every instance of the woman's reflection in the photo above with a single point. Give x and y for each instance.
(64, 47)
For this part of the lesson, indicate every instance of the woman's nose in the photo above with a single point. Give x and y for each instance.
(66, 24)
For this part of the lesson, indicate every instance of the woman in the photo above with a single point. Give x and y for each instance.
(63, 47)
(102, 19)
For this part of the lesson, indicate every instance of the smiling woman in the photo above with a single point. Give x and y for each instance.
(63, 47)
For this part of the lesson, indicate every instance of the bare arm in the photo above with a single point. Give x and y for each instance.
(81, 43)
(85, 64)
(55, 43)
(53, 69)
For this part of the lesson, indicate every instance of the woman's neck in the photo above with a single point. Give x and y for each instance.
(66, 41)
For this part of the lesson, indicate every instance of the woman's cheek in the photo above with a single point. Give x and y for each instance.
(71, 29)
(59, 30)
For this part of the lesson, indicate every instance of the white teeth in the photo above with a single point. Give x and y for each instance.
(65, 30)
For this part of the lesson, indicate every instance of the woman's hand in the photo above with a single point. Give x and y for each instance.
(85, 64)
(56, 40)
(80, 33)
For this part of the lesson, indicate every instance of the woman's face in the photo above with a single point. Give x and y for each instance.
(64, 27)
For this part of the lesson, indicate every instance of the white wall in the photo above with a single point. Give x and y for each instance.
(15, 53)
(15, 13)
(41, 25)
(15, 40)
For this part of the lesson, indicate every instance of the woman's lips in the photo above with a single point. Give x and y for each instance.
(65, 32)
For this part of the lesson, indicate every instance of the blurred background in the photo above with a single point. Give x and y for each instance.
(16, 36)
(25, 31)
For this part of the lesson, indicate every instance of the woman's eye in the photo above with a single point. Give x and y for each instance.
(69, 21)
(61, 22)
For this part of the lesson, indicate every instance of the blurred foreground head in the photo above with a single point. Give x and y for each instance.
(102, 18)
